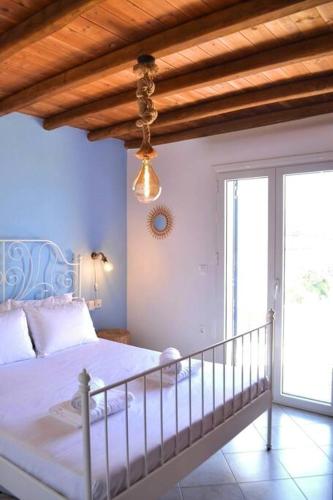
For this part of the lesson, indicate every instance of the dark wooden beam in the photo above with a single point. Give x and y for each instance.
(214, 107)
(226, 126)
(221, 23)
(44, 23)
(263, 61)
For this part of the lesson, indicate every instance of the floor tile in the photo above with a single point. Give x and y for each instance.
(214, 471)
(320, 432)
(173, 494)
(283, 489)
(288, 436)
(247, 440)
(316, 488)
(303, 417)
(305, 461)
(221, 492)
(328, 450)
(279, 418)
(255, 466)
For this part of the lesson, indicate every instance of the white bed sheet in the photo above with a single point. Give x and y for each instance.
(52, 450)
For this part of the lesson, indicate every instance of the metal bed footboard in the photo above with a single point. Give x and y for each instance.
(252, 350)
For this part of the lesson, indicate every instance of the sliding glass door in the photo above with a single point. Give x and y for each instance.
(276, 239)
(248, 240)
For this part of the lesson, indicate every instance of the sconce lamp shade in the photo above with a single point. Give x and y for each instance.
(107, 264)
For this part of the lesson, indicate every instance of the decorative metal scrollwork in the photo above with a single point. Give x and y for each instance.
(34, 269)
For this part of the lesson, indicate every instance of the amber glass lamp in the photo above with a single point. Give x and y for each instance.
(146, 185)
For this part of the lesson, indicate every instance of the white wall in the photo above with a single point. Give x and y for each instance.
(169, 300)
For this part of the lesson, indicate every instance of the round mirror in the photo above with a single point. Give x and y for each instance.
(160, 221)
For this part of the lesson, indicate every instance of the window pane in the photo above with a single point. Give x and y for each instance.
(308, 286)
(246, 256)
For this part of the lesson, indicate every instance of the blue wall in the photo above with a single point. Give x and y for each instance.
(59, 186)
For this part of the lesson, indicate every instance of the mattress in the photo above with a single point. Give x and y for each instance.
(52, 451)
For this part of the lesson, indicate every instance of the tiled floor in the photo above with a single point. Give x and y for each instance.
(299, 466)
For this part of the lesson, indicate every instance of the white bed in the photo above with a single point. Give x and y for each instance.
(52, 451)
(138, 453)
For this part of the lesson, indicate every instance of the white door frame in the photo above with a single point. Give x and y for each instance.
(269, 173)
(284, 399)
(274, 169)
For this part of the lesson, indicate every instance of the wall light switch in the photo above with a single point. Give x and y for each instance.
(203, 269)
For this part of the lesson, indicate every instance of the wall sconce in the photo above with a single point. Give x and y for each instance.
(107, 264)
(108, 267)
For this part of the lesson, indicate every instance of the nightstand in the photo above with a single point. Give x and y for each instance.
(115, 334)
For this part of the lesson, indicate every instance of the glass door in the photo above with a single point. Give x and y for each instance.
(276, 239)
(304, 263)
(247, 246)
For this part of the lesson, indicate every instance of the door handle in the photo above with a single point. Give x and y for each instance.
(276, 288)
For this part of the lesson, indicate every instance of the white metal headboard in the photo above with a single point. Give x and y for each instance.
(34, 269)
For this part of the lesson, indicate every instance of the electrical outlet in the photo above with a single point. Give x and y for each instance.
(90, 304)
(98, 303)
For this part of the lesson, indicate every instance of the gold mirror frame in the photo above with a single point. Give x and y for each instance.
(157, 211)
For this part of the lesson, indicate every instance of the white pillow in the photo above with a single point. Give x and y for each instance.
(5, 306)
(56, 328)
(15, 343)
(63, 299)
(49, 301)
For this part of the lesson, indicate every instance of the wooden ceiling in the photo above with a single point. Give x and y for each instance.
(223, 64)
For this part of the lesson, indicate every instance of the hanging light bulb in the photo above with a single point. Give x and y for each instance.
(146, 185)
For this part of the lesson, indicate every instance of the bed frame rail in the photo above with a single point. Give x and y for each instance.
(252, 350)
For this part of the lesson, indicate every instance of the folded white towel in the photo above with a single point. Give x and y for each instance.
(168, 355)
(98, 400)
(67, 413)
(170, 378)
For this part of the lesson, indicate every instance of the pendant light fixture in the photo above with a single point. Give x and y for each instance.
(146, 185)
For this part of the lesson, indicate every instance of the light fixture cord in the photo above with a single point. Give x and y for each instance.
(147, 111)
(95, 281)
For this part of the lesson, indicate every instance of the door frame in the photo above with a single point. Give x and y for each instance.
(269, 173)
(274, 169)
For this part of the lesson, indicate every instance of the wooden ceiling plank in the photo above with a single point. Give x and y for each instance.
(284, 29)
(214, 25)
(251, 99)
(309, 21)
(259, 120)
(326, 12)
(161, 10)
(255, 63)
(42, 24)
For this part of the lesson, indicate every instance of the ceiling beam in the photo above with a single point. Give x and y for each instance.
(214, 107)
(240, 68)
(42, 24)
(237, 124)
(220, 23)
